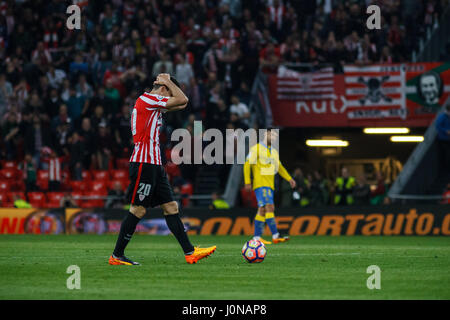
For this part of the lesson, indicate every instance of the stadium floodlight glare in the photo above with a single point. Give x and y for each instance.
(326, 143)
(386, 130)
(406, 138)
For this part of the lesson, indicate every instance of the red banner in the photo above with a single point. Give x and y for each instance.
(377, 95)
(35, 221)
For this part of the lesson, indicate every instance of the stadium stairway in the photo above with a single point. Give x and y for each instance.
(422, 177)
(433, 48)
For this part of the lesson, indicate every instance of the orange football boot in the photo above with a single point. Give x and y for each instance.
(280, 239)
(199, 253)
(264, 241)
(115, 261)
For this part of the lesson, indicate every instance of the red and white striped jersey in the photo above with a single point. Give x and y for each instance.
(146, 121)
(54, 169)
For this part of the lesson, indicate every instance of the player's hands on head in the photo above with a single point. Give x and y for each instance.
(164, 75)
(162, 78)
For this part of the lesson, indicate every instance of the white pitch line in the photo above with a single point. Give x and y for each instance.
(303, 254)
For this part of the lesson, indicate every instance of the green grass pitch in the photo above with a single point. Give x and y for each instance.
(34, 267)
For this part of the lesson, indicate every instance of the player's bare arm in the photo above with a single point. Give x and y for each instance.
(178, 100)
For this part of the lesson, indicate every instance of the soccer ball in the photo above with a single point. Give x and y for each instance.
(254, 251)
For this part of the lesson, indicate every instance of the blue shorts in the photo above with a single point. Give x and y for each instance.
(264, 195)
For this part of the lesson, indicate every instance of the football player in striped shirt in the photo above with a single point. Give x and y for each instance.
(149, 184)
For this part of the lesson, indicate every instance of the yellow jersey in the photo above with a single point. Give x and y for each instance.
(263, 163)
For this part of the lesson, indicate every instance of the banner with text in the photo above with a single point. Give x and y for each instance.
(34, 221)
(420, 220)
(378, 95)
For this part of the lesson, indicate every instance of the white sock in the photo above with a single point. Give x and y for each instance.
(276, 235)
(256, 237)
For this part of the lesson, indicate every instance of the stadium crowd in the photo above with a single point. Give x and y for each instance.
(315, 190)
(66, 95)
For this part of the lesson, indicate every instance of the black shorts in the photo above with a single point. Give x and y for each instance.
(149, 185)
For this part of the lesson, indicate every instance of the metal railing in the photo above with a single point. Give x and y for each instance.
(419, 197)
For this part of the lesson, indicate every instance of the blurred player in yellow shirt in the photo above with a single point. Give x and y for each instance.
(263, 162)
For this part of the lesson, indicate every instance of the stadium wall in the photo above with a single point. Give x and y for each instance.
(416, 220)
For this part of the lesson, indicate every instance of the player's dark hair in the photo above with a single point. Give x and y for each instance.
(157, 86)
(175, 81)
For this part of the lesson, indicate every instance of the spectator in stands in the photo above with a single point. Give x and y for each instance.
(30, 173)
(243, 93)
(10, 129)
(83, 88)
(122, 133)
(116, 197)
(21, 93)
(41, 56)
(217, 202)
(87, 135)
(300, 194)
(54, 172)
(361, 192)
(196, 94)
(67, 201)
(113, 79)
(112, 97)
(386, 56)
(270, 57)
(34, 105)
(378, 195)
(52, 103)
(319, 192)
(164, 65)
(344, 188)
(20, 203)
(55, 77)
(98, 117)
(183, 71)
(443, 138)
(218, 115)
(37, 136)
(104, 147)
(76, 105)
(76, 150)
(61, 136)
(61, 118)
(240, 110)
(78, 66)
(6, 91)
(77, 173)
